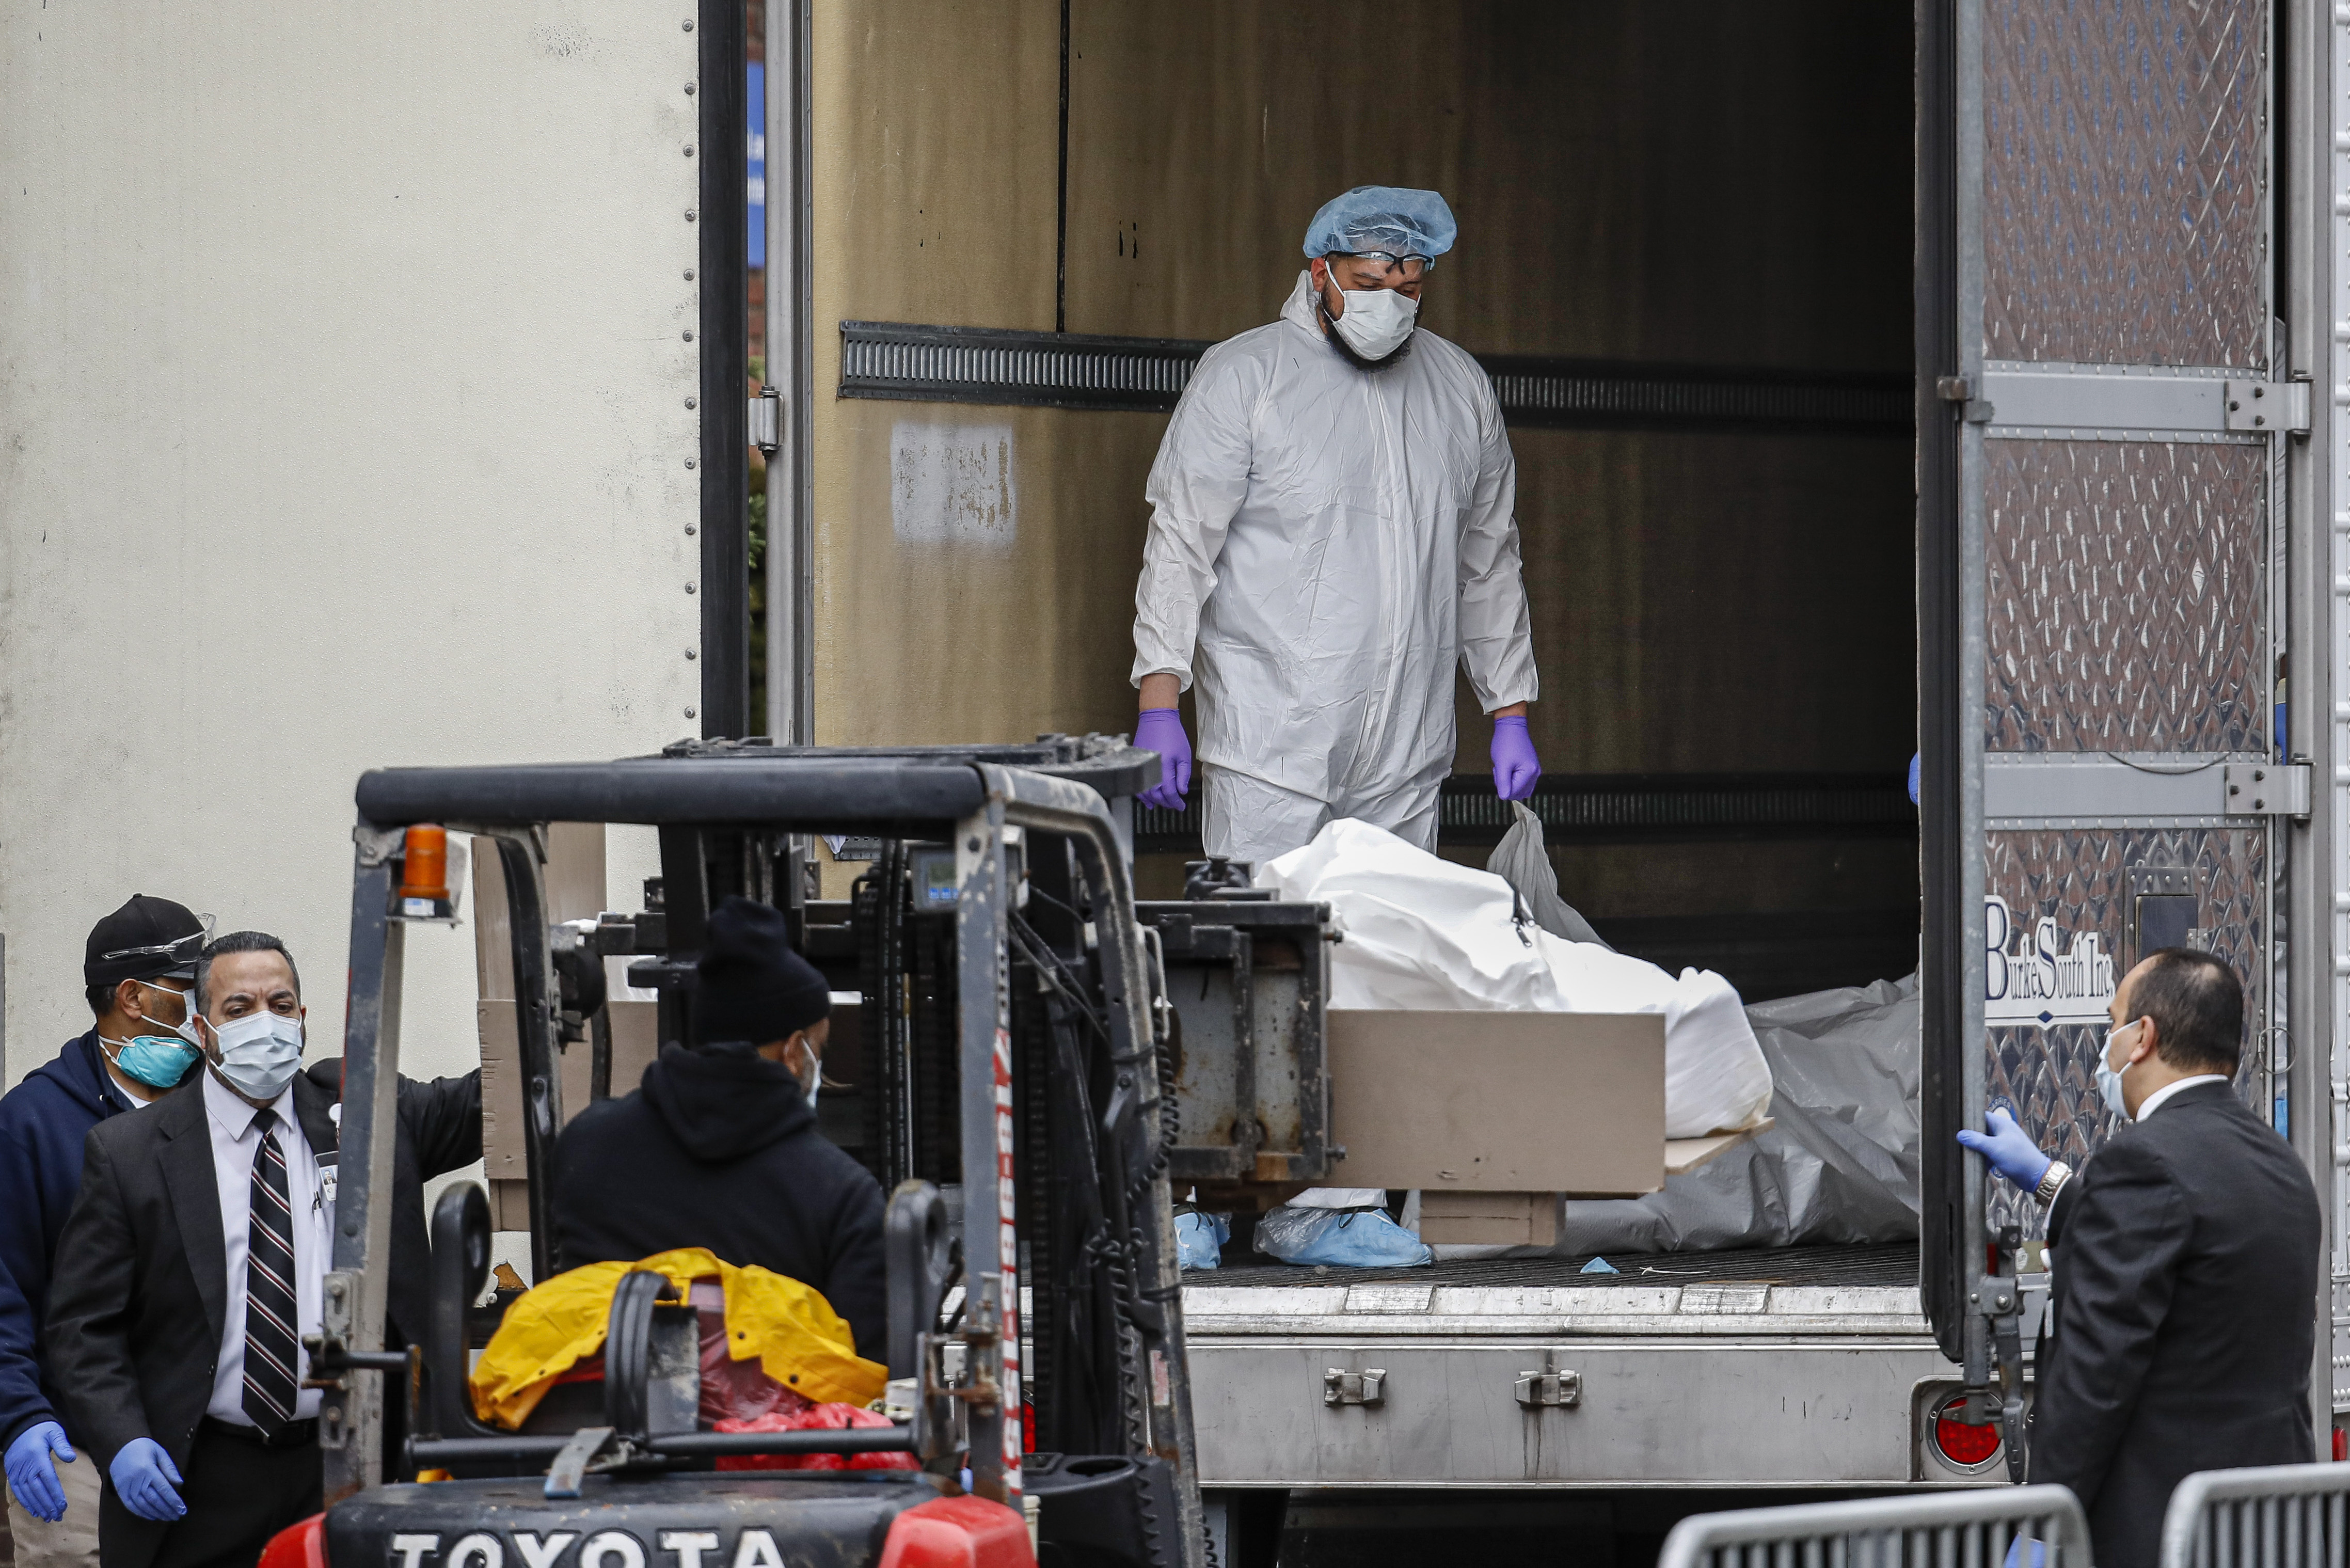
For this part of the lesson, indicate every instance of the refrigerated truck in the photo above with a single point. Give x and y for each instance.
(2131, 331)
(376, 390)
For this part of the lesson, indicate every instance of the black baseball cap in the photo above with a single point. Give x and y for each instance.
(147, 939)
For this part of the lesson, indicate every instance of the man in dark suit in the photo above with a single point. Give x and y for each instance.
(193, 1264)
(2185, 1259)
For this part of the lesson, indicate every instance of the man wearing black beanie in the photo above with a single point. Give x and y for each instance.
(718, 1149)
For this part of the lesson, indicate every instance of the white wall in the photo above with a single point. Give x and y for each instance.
(343, 423)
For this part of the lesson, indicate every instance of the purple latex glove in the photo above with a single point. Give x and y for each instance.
(143, 1478)
(1517, 769)
(32, 1475)
(1160, 730)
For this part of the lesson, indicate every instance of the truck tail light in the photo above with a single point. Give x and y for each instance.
(302, 1545)
(951, 1533)
(1962, 1444)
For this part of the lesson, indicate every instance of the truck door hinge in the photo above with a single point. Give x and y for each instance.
(1368, 1387)
(2265, 406)
(766, 421)
(2266, 789)
(1552, 1389)
(1960, 390)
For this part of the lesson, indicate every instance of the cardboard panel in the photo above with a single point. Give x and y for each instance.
(1499, 1102)
(1489, 1218)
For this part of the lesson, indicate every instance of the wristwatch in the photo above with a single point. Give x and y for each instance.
(2057, 1175)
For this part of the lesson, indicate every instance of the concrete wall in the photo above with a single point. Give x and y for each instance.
(343, 423)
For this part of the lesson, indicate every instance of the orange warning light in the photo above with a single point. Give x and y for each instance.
(424, 863)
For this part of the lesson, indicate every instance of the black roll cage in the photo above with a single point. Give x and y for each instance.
(980, 801)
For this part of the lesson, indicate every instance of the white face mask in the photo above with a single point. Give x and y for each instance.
(815, 1071)
(2109, 1078)
(1376, 320)
(259, 1053)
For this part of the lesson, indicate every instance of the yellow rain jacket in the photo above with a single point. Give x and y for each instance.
(800, 1341)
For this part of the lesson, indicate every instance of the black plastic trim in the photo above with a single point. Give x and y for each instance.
(1949, 907)
(724, 218)
(900, 799)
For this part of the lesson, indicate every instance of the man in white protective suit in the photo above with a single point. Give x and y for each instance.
(1331, 528)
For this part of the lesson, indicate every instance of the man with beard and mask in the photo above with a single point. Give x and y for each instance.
(174, 1339)
(1331, 529)
(718, 1149)
(138, 975)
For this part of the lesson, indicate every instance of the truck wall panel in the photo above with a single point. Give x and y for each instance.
(345, 420)
(1697, 1413)
(1600, 217)
(2081, 878)
(2125, 183)
(2127, 605)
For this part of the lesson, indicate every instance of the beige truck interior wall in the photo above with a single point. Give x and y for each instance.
(343, 423)
(580, 886)
(1675, 182)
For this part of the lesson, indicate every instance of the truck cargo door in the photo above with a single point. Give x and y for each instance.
(2101, 434)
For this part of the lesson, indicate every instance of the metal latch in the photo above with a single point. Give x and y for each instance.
(1958, 389)
(1553, 1388)
(766, 421)
(2267, 789)
(2263, 405)
(1340, 1387)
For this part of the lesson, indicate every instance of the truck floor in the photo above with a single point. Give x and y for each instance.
(1894, 1265)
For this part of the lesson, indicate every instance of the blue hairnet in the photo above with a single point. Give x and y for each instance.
(1382, 218)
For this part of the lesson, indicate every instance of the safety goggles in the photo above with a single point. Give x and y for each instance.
(178, 950)
(1383, 264)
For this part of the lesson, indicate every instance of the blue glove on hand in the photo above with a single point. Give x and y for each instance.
(144, 1478)
(32, 1477)
(2011, 1153)
(1160, 730)
(1517, 769)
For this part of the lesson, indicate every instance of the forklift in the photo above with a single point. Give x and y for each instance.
(1016, 1079)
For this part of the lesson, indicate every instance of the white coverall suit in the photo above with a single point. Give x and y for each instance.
(1331, 539)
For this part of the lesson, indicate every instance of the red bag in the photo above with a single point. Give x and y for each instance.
(814, 1418)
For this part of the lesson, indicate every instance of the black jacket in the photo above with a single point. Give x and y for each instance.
(719, 1150)
(137, 1300)
(2185, 1258)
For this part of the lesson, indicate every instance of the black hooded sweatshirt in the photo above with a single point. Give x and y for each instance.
(719, 1150)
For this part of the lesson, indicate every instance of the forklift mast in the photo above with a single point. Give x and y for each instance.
(1014, 1066)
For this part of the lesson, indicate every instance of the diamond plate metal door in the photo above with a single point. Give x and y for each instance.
(2113, 429)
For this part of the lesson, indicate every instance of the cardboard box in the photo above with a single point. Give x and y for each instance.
(1497, 1102)
(1531, 1219)
(1489, 1218)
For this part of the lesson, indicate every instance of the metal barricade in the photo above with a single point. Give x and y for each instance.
(1972, 1529)
(2277, 1516)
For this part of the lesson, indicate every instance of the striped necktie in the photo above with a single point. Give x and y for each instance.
(272, 1349)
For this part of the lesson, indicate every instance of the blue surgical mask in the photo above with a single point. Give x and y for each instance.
(157, 1060)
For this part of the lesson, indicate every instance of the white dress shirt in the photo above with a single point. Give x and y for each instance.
(2155, 1101)
(235, 1143)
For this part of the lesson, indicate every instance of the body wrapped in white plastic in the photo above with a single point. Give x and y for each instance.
(1325, 542)
(1422, 932)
